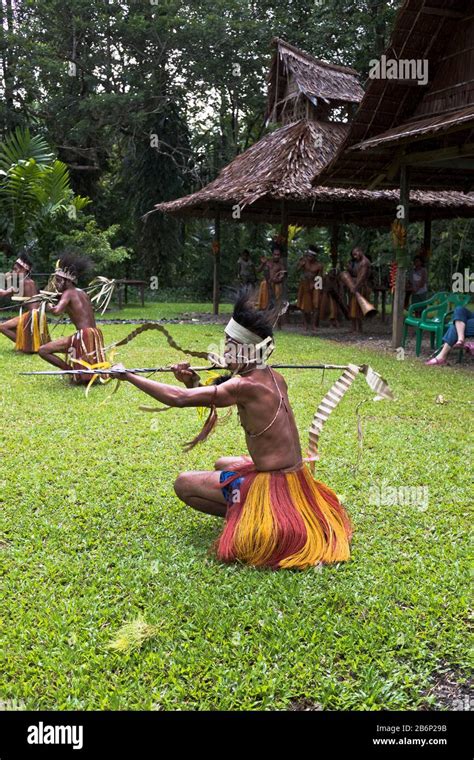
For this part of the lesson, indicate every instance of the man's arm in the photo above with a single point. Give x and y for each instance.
(61, 306)
(8, 292)
(171, 395)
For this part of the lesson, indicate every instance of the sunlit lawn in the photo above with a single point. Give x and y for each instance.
(94, 537)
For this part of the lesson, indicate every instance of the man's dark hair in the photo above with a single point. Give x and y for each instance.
(246, 250)
(258, 322)
(23, 256)
(75, 263)
(315, 248)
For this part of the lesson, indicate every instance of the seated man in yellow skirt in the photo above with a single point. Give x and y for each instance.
(29, 330)
(276, 514)
(85, 347)
(271, 287)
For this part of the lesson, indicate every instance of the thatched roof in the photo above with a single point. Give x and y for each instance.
(281, 164)
(279, 168)
(316, 80)
(399, 119)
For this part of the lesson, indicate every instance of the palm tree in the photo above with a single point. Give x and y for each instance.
(34, 189)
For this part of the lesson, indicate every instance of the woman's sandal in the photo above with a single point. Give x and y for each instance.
(435, 362)
(459, 344)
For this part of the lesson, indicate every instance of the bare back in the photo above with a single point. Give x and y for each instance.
(29, 289)
(77, 305)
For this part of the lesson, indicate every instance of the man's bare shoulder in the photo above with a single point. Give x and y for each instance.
(259, 382)
(29, 287)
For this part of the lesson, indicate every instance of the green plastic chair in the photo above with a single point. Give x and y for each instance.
(432, 321)
(411, 320)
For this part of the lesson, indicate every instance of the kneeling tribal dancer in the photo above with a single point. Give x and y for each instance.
(85, 348)
(29, 330)
(277, 515)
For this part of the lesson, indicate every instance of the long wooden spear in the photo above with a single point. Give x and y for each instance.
(144, 370)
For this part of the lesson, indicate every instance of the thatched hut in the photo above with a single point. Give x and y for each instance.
(303, 87)
(279, 168)
(415, 131)
(272, 180)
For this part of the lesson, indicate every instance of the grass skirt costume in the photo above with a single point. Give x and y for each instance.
(32, 331)
(282, 520)
(264, 294)
(85, 349)
(309, 298)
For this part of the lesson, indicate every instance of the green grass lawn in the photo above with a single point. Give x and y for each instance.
(162, 310)
(94, 537)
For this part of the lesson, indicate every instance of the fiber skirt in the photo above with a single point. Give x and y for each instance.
(309, 298)
(264, 294)
(86, 349)
(32, 331)
(284, 520)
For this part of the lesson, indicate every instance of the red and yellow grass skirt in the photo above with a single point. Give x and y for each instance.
(284, 520)
(86, 349)
(32, 331)
(264, 294)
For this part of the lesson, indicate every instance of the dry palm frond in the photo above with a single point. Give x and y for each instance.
(100, 291)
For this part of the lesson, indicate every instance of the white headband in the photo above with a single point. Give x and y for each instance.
(23, 264)
(241, 334)
(66, 275)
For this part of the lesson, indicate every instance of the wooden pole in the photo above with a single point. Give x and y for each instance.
(402, 261)
(217, 261)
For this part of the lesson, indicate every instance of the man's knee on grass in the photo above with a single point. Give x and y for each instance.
(182, 485)
(45, 350)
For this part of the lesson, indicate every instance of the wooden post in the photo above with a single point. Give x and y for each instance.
(402, 261)
(334, 244)
(216, 247)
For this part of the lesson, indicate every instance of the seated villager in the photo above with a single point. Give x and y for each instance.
(29, 330)
(418, 282)
(456, 334)
(85, 347)
(276, 514)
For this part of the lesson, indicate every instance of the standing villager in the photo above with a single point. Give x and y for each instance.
(310, 293)
(246, 273)
(277, 515)
(271, 287)
(359, 269)
(85, 348)
(333, 297)
(29, 330)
